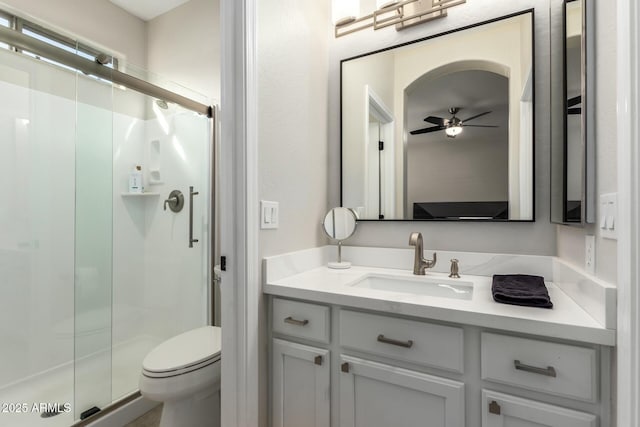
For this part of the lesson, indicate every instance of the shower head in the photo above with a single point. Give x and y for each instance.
(103, 59)
(162, 104)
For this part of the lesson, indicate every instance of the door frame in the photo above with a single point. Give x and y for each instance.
(240, 282)
(628, 246)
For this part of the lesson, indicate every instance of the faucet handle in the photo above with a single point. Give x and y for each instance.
(454, 269)
(432, 262)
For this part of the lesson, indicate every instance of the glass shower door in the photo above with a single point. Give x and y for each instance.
(37, 179)
(93, 244)
(160, 281)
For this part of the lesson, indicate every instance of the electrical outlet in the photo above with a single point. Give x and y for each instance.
(590, 254)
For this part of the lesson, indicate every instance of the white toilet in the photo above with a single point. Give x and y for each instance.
(184, 373)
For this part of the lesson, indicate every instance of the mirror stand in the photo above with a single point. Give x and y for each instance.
(340, 224)
(339, 264)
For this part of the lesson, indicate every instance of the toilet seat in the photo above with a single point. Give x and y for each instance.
(184, 353)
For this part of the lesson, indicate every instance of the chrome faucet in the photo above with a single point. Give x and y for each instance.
(420, 264)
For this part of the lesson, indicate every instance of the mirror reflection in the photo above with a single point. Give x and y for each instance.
(442, 129)
(340, 223)
(573, 111)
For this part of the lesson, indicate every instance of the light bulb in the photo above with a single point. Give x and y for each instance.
(344, 11)
(453, 131)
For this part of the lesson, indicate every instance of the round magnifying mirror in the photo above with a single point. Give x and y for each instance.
(340, 224)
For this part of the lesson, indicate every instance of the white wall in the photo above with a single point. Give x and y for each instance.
(292, 130)
(533, 238)
(99, 22)
(183, 46)
(465, 171)
(571, 239)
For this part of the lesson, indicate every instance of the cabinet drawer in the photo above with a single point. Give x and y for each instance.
(553, 368)
(302, 320)
(503, 410)
(416, 342)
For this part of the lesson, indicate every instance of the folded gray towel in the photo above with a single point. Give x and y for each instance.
(520, 289)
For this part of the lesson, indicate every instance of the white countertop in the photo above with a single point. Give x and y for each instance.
(566, 320)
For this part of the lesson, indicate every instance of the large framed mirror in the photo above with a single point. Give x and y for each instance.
(572, 134)
(442, 128)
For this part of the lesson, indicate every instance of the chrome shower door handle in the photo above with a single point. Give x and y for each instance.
(191, 194)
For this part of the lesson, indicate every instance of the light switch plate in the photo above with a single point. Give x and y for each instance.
(269, 213)
(608, 216)
(590, 254)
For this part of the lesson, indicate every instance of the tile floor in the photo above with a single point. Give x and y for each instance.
(150, 419)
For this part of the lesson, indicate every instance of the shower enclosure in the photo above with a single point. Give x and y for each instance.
(92, 276)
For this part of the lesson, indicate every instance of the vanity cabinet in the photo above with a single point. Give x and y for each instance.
(336, 366)
(300, 389)
(379, 395)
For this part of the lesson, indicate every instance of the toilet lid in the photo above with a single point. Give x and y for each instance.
(185, 350)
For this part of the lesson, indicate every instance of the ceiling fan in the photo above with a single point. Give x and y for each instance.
(453, 126)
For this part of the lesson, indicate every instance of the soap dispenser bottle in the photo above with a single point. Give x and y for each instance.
(135, 180)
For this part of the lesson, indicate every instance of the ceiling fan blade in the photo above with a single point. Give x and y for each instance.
(572, 102)
(436, 120)
(427, 130)
(479, 126)
(476, 116)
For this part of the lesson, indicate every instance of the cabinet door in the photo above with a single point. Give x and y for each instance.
(300, 385)
(377, 395)
(503, 410)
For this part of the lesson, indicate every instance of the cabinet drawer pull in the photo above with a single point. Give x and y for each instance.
(405, 344)
(296, 322)
(318, 360)
(345, 367)
(494, 408)
(549, 371)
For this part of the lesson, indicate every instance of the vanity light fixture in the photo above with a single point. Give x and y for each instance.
(403, 14)
(344, 12)
(453, 131)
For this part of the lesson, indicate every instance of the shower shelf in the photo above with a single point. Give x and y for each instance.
(150, 194)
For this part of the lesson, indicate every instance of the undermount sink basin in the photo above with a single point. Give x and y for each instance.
(419, 285)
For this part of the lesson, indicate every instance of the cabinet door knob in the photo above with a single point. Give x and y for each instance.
(296, 322)
(494, 408)
(345, 367)
(318, 360)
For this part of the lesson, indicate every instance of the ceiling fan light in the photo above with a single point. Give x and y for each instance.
(453, 131)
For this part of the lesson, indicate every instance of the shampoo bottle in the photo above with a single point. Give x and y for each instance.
(135, 180)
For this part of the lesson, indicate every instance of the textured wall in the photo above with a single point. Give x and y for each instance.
(293, 48)
(183, 45)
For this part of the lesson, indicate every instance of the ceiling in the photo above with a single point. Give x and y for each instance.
(473, 91)
(148, 9)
